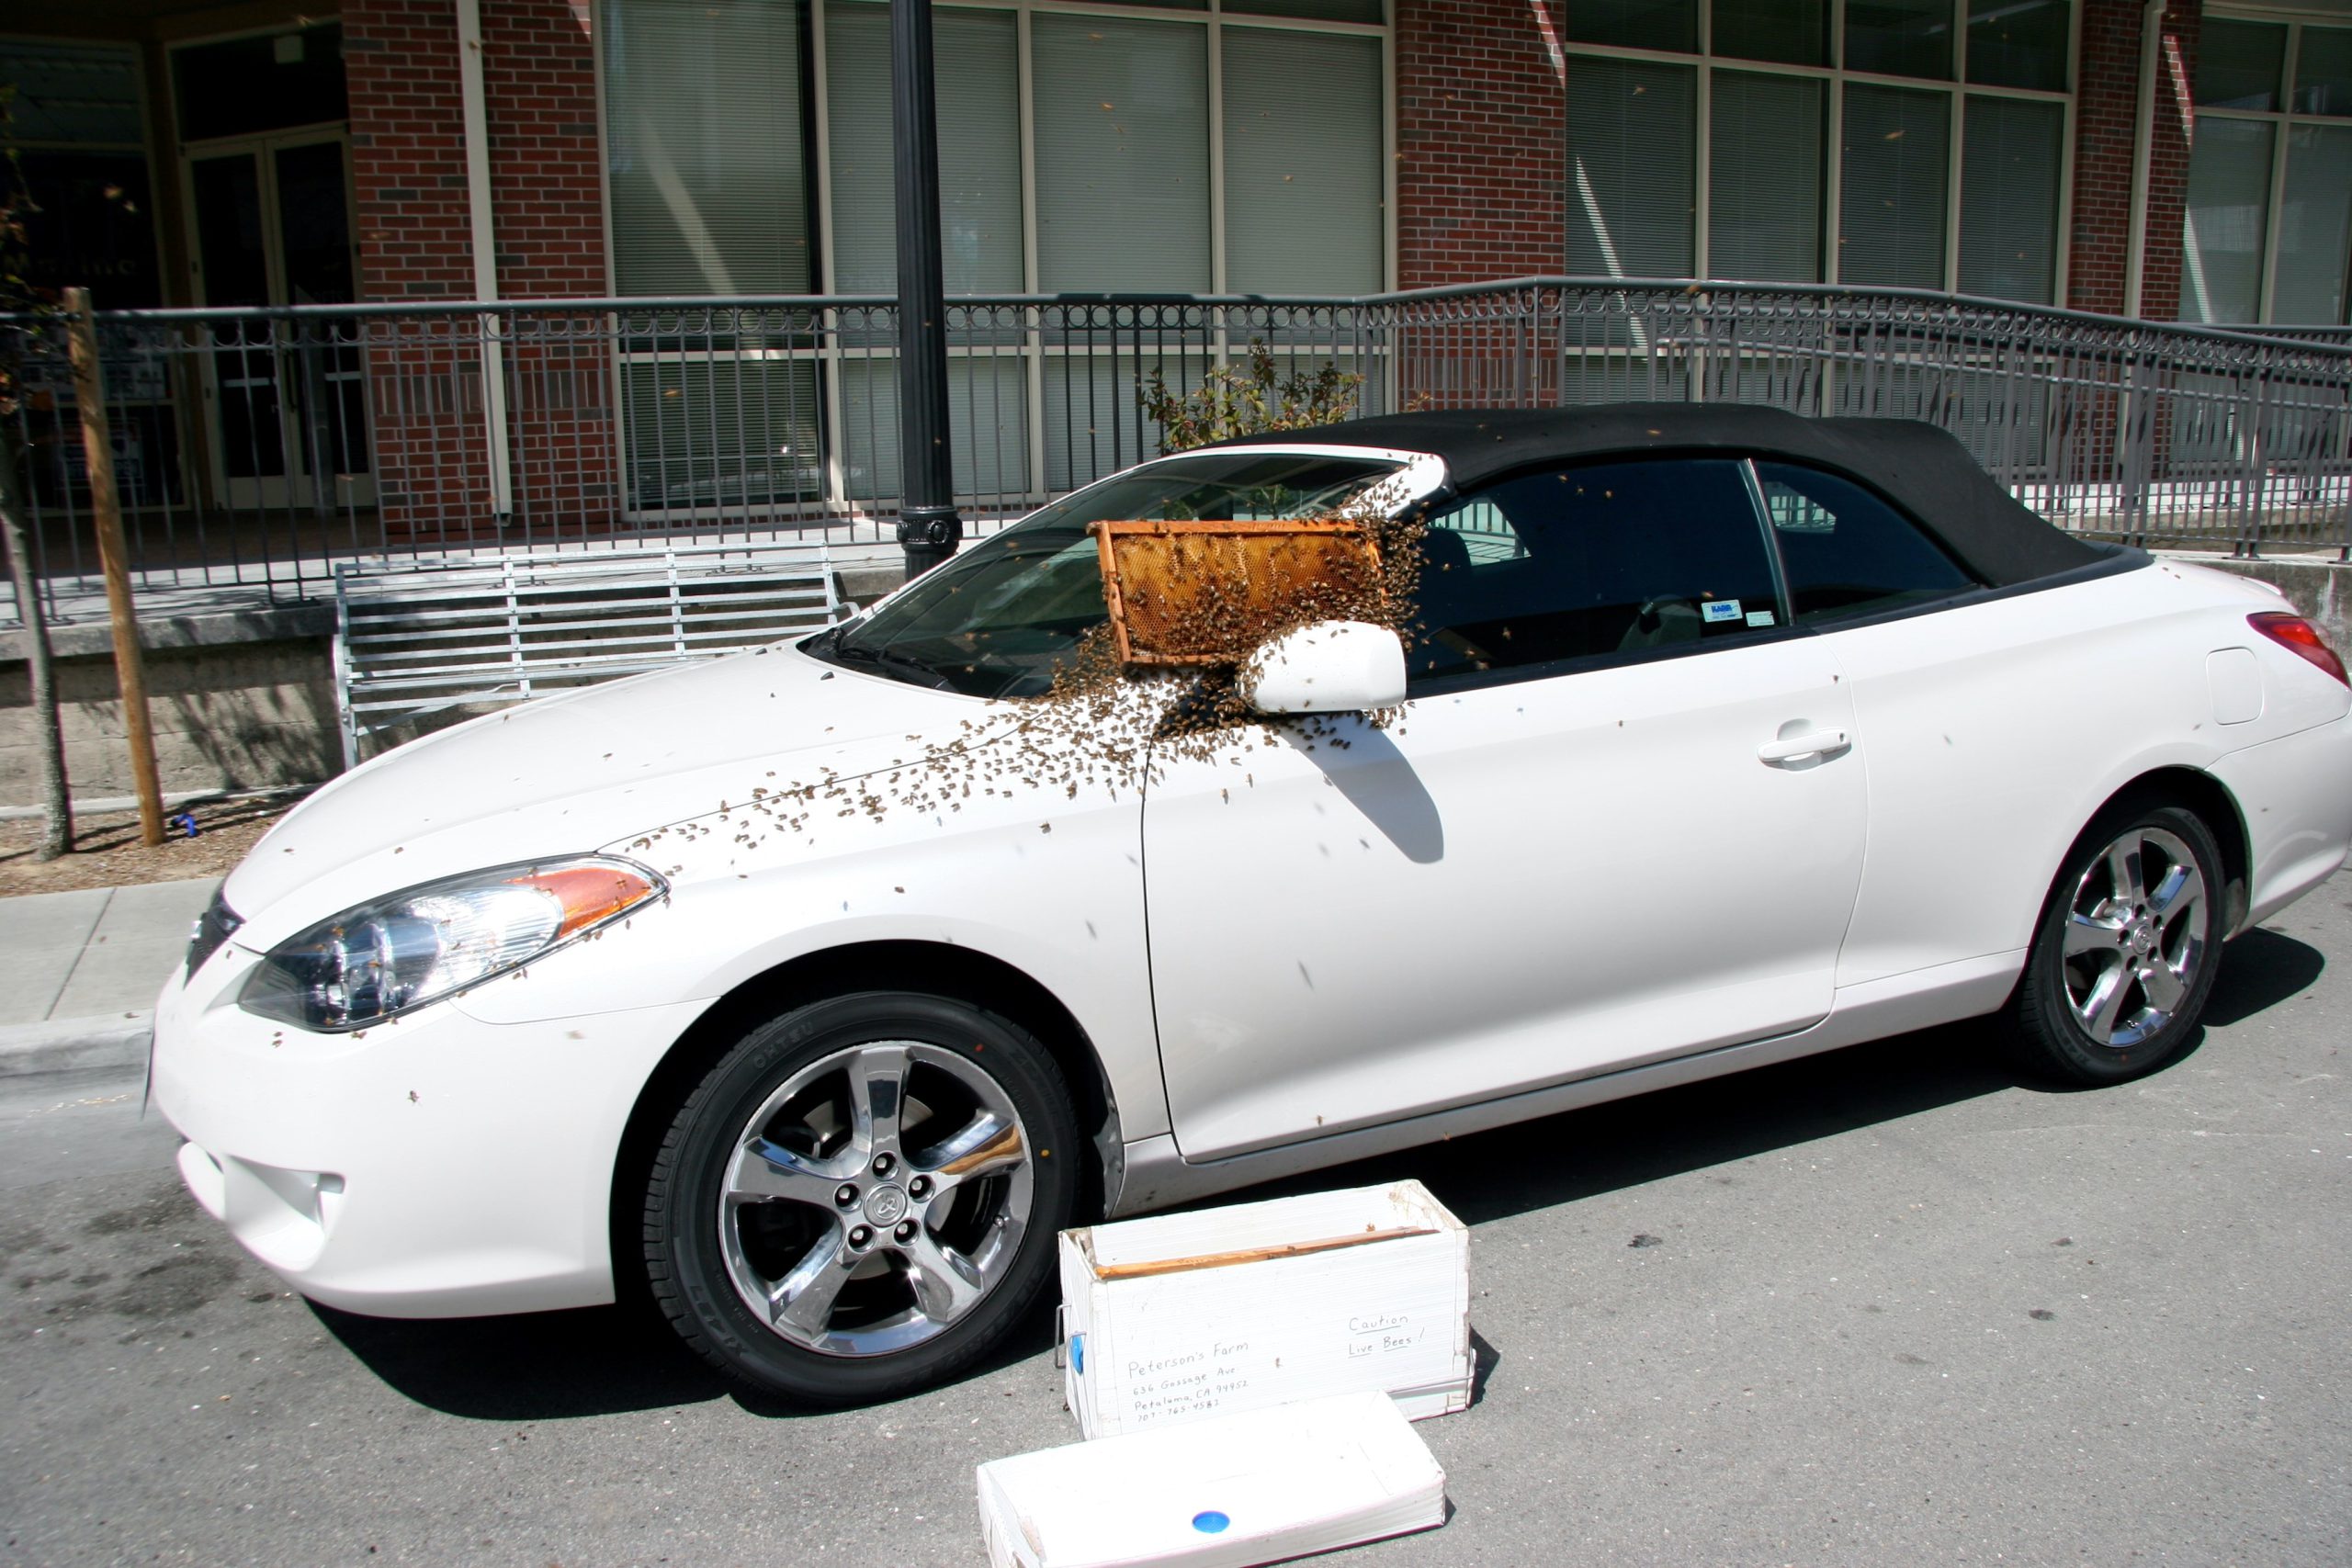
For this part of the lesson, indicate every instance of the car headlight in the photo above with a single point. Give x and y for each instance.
(414, 947)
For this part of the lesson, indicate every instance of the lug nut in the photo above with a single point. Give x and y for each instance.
(918, 1187)
(860, 1236)
(906, 1231)
(884, 1165)
(846, 1195)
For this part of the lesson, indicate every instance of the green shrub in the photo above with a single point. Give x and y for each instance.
(1248, 399)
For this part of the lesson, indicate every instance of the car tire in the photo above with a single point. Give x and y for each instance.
(2125, 956)
(861, 1198)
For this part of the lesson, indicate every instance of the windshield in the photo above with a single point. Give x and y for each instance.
(998, 620)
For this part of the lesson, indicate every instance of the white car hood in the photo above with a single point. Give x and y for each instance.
(581, 771)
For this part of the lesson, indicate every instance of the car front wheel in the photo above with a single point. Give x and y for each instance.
(861, 1199)
(2127, 951)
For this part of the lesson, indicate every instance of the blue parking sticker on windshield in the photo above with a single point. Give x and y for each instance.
(1720, 610)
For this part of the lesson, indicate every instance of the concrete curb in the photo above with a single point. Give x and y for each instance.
(73, 1044)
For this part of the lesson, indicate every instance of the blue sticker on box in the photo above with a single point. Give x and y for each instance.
(1719, 610)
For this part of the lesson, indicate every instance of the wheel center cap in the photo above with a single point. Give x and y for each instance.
(2142, 939)
(885, 1205)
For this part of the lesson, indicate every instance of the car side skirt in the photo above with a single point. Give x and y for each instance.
(1157, 1176)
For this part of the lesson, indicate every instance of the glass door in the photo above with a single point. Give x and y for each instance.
(271, 221)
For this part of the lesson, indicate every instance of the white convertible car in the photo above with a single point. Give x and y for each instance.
(1726, 736)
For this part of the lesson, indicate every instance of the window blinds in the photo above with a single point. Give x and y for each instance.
(2008, 199)
(979, 81)
(1121, 154)
(2314, 227)
(703, 125)
(2229, 182)
(1630, 139)
(1302, 169)
(1892, 204)
(1764, 174)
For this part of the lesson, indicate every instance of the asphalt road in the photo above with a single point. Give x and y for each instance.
(1899, 1309)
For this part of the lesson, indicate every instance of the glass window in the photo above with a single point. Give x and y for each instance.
(1001, 618)
(2008, 199)
(90, 228)
(2268, 235)
(2238, 63)
(73, 92)
(1765, 173)
(979, 150)
(1792, 32)
(1608, 558)
(1893, 207)
(2229, 206)
(1899, 37)
(242, 86)
(1845, 552)
(1302, 170)
(1122, 154)
(702, 108)
(1313, 10)
(1635, 24)
(2315, 226)
(2324, 71)
(2017, 43)
(1630, 136)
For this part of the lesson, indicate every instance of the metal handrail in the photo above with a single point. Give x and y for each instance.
(260, 446)
(2328, 338)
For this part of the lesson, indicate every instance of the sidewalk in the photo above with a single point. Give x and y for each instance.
(79, 971)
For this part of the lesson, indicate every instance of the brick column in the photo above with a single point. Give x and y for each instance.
(2106, 143)
(1482, 142)
(410, 202)
(548, 208)
(408, 149)
(546, 194)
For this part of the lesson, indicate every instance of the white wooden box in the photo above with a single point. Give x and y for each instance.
(1180, 1317)
(1225, 1492)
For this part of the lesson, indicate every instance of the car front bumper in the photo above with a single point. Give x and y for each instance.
(436, 1167)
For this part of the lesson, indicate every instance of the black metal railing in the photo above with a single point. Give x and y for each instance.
(256, 448)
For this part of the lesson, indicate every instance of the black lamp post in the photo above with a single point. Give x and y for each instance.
(929, 529)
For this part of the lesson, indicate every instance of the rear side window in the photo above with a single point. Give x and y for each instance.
(1578, 562)
(1847, 552)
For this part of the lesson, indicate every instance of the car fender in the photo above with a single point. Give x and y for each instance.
(1048, 887)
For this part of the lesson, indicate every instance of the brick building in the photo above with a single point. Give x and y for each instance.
(2158, 157)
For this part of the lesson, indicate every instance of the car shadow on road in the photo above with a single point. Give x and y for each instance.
(542, 1366)
(605, 1361)
(555, 1366)
(2261, 969)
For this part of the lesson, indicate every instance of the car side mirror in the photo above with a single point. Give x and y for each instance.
(1330, 667)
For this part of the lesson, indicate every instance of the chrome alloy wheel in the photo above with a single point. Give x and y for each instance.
(2136, 937)
(874, 1198)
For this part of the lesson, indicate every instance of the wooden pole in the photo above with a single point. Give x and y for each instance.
(106, 510)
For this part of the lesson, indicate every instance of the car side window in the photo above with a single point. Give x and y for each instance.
(1847, 553)
(1599, 560)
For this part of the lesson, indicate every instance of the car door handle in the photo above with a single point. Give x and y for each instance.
(1815, 742)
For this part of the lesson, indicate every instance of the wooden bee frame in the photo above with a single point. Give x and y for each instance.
(1210, 592)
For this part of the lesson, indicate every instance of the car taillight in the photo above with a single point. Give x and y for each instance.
(2297, 637)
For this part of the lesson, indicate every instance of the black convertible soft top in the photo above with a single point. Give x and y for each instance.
(1922, 469)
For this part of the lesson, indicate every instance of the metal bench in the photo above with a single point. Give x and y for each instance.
(415, 638)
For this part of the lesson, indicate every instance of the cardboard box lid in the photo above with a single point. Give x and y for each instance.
(1265, 1231)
